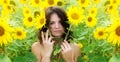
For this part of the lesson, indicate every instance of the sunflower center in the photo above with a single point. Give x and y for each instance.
(92, 11)
(118, 30)
(100, 33)
(27, 12)
(89, 19)
(82, 1)
(114, 1)
(5, 1)
(1, 31)
(19, 33)
(75, 16)
(36, 1)
(9, 7)
(24, 0)
(111, 7)
(50, 2)
(59, 3)
(107, 2)
(41, 20)
(30, 19)
(36, 13)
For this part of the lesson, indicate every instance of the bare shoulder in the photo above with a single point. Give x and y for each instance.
(76, 49)
(75, 46)
(36, 44)
(35, 47)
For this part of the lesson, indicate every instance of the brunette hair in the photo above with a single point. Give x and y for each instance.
(64, 21)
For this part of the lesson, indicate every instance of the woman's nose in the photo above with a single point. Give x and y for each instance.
(57, 25)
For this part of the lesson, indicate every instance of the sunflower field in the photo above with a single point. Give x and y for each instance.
(95, 25)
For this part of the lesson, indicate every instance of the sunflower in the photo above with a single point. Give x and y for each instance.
(91, 21)
(40, 21)
(96, 1)
(114, 16)
(100, 33)
(50, 3)
(114, 30)
(60, 3)
(75, 15)
(36, 3)
(23, 1)
(26, 11)
(115, 2)
(4, 2)
(83, 3)
(5, 31)
(28, 21)
(19, 33)
(4, 15)
(36, 14)
(93, 11)
(8, 8)
(111, 9)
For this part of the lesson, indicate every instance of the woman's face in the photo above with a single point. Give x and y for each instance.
(55, 26)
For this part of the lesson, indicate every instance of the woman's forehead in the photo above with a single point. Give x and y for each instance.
(54, 17)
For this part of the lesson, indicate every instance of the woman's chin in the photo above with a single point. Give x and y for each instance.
(57, 35)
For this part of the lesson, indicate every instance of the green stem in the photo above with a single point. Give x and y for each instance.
(68, 32)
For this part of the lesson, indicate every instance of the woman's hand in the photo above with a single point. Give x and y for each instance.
(47, 45)
(43, 50)
(67, 52)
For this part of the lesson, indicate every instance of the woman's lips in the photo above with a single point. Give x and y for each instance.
(57, 31)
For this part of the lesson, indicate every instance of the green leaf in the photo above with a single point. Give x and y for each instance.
(4, 58)
(115, 58)
(19, 59)
(56, 50)
(28, 57)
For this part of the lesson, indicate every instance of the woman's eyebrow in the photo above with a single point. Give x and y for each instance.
(52, 21)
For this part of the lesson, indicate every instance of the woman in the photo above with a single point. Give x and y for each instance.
(55, 28)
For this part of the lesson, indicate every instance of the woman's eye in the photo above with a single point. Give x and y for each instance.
(51, 23)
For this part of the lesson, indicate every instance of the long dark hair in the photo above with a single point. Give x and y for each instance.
(64, 21)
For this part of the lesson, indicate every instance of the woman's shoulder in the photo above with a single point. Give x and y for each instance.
(35, 46)
(76, 48)
(74, 45)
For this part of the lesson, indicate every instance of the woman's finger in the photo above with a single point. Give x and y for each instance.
(53, 42)
(49, 40)
(67, 44)
(46, 35)
(63, 49)
(42, 35)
